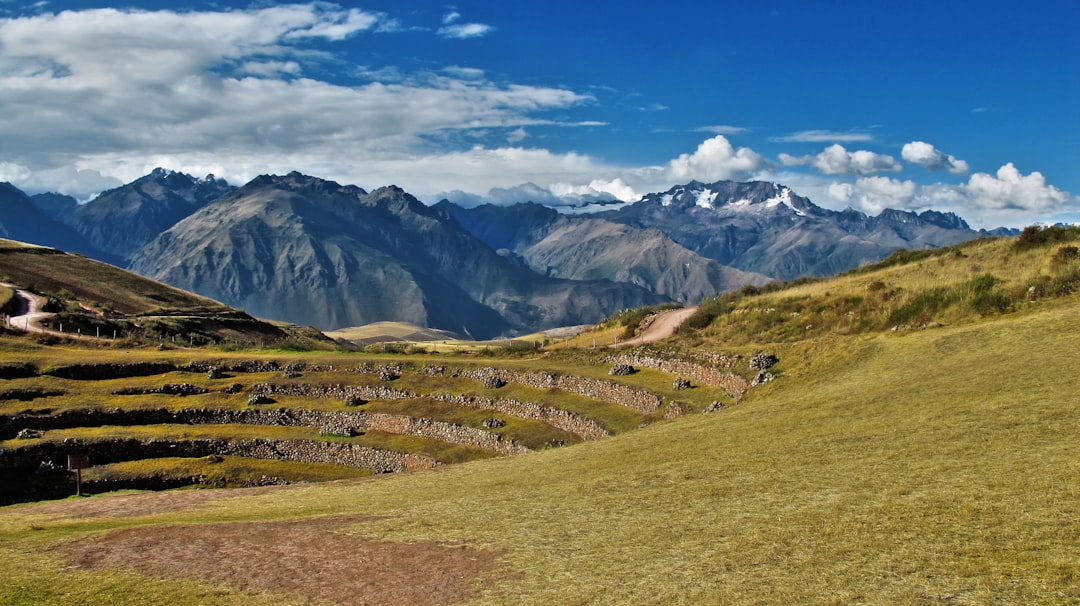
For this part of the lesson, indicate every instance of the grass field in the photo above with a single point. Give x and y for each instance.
(936, 463)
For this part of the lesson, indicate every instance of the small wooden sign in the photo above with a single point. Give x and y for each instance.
(78, 462)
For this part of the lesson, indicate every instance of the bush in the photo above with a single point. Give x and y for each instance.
(706, 313)
(1064, 257)
(1036, 235)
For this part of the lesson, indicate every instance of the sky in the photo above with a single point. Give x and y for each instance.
(962, 106)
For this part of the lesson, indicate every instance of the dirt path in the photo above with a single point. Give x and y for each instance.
(662, 326)
(28, 315)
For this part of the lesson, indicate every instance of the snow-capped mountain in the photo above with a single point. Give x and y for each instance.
(768, 228)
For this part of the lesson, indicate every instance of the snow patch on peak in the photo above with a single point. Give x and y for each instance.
(706, 198)
(667, 199)
(783, 197)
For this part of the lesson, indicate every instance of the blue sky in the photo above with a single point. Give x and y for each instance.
(962, 106)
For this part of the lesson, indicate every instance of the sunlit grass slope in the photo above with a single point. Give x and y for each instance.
(926, 467)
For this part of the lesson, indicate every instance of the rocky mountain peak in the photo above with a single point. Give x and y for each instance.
(732, 196)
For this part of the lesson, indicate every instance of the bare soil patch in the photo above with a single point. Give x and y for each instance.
(142, 504)
(314, 559)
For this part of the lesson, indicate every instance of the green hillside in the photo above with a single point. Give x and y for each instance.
(929, 460)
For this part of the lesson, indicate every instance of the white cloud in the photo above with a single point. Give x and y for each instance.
(105, 90)
(517, 135)
(1007, 198)
(872, 195)
(82, 184)
(453, 29)
(930, 158)
(597, 190)
(721, 129)
(716, 159)
(835, 160)
(1012, 191)
(337, 25)
(823, 136)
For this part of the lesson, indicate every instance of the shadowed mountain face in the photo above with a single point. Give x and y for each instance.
(22, 220)
(586, 248)
(124, 219)
(767, 228)
(315, 252)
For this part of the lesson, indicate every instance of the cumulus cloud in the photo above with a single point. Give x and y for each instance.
(597, 190)
(930, 158)
(716, 159)
(874, 194)
(835, 160)
(1011, 190)
(1008, 198)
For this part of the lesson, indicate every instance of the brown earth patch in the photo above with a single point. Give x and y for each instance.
(142, 504)
(314, 559)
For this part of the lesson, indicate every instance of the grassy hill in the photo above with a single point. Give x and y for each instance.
(931, 463)
(100, 299)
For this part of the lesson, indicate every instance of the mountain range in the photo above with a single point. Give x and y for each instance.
(311, 251)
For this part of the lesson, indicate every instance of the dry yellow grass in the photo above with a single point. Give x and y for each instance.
(928, 467)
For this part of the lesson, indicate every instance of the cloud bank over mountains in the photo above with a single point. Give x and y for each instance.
(238, 93)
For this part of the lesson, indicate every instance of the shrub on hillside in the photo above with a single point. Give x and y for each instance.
(1039, 235)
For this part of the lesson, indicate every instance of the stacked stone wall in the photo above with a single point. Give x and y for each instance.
(597, 389)
(733, 384)
(586, 429)
(328, 422)
(102, 452)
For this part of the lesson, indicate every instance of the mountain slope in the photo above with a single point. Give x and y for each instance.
(124, 219)
(21, 220)
(767, 228)
(311, 251)
(586, 248)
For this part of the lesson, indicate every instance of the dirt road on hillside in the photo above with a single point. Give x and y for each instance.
(28, 315)
(662, 326)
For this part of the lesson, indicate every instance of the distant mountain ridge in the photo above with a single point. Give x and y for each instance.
(589, 248)
(122, 220)
(311, 251)
(768, 228)
(337, 256)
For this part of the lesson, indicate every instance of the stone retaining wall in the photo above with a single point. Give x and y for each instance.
(102, 452)
(586, 429)
(733, 384)
(328, 422)
(597, 389)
